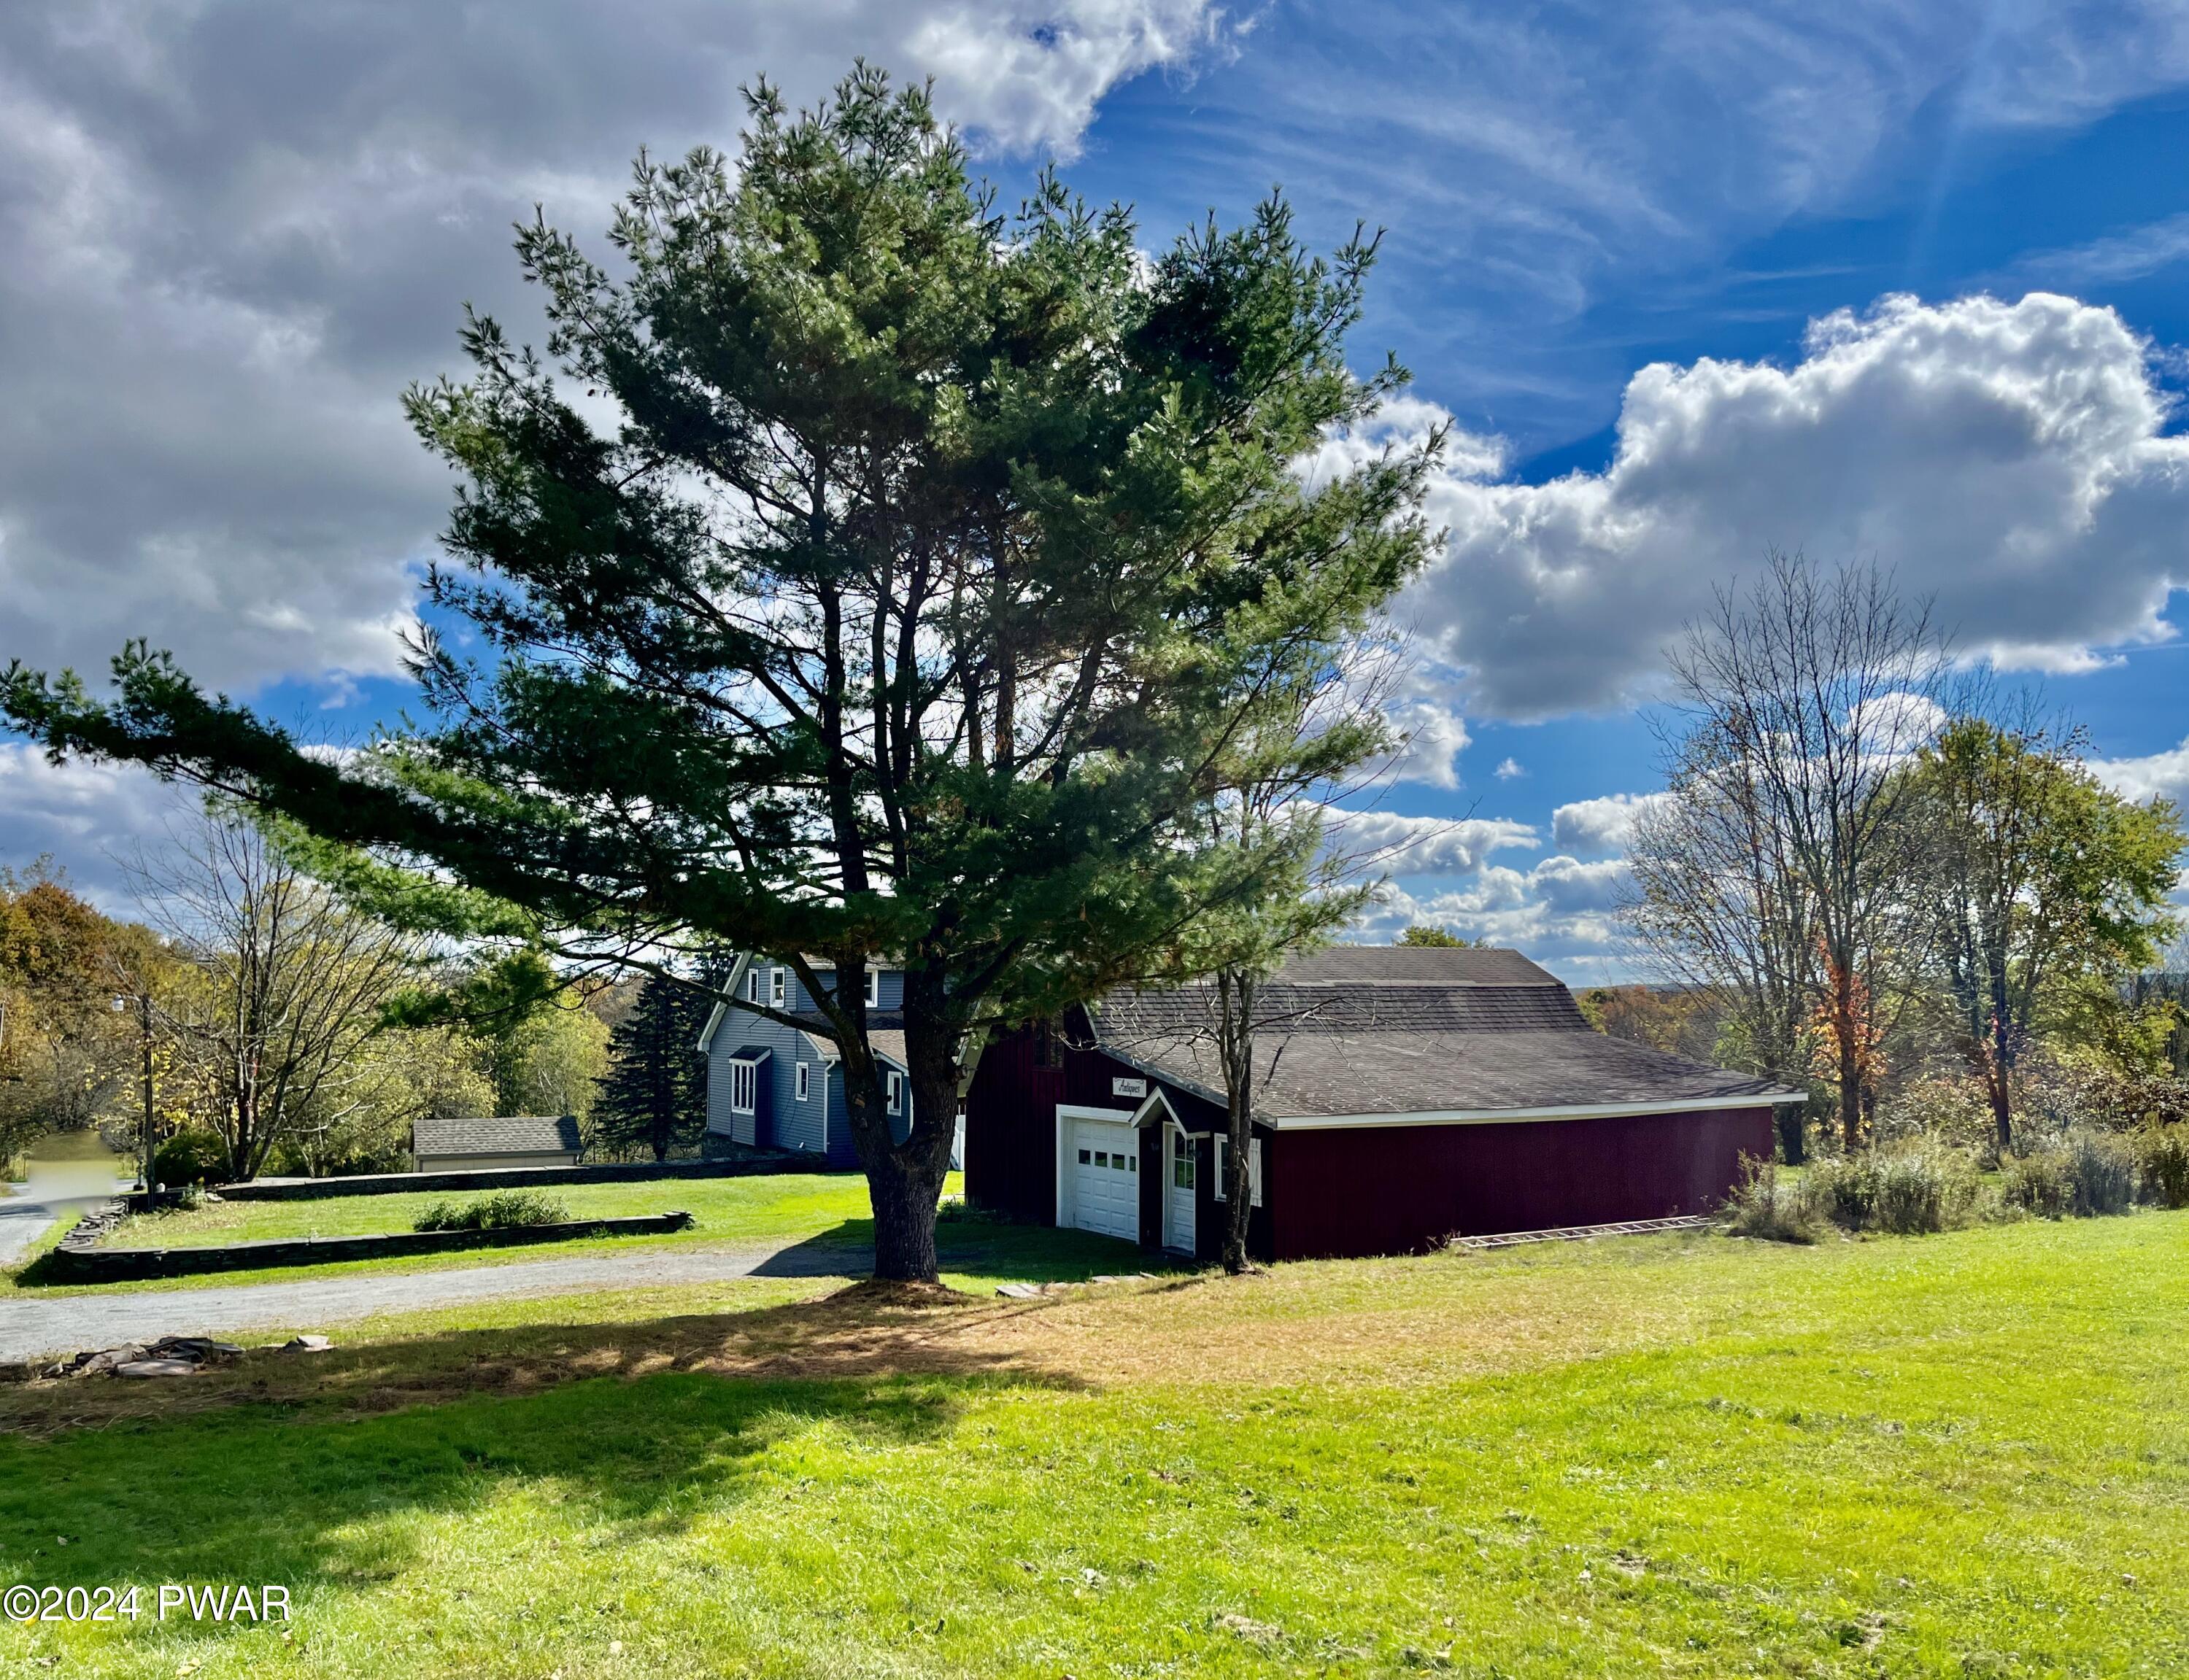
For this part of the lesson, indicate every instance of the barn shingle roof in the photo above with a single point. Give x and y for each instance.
(1361, 1030)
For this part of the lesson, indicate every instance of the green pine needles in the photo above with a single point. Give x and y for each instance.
(914, 603)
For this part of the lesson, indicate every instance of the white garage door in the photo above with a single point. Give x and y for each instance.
(1106, 1179)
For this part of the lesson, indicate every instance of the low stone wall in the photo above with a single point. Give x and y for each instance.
(76, 1260)
(512, 1178)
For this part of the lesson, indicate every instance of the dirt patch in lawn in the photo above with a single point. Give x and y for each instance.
(1425, 1320)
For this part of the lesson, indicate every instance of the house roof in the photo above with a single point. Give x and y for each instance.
(1365, 1031)
(884, 1031)
(1415, 965)
(506, 1134)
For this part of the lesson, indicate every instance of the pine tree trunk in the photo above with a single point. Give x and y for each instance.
(904, 1221)
(904, 1181)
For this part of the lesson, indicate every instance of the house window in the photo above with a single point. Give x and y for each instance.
(874, 988)
(744, 1083)
(1181, 1167)
(778, 990)
(801, 1082)
(897, 1093)
(752, 986)
(1253, 1170)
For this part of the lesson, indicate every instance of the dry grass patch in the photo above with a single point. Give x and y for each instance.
(1428, 1319)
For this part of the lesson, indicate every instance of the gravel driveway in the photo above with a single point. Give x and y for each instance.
(30, 1326)
(24, 1215)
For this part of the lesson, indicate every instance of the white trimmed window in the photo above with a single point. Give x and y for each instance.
(778, 986)
(874, 988)
(752, 986)
(896, 1092)
(745, 1084)
(1253, 1170)
(801, 1082)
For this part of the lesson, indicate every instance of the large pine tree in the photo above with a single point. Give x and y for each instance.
(655, 1094)
(905, 609)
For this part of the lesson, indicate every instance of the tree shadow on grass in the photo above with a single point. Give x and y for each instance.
(970, 1245)
(303, 1470)
(260, 1493)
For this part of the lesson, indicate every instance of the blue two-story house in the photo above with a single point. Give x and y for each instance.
(775, 1086)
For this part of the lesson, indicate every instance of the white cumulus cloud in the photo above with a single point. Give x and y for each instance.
(1592, 827)
(86, 817)
(2158, 776)
(1422, 846)
(2011, 459)
(236, 231)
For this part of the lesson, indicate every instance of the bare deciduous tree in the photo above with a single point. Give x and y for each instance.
(1777, 873)
(1714, 901)
(289, 986)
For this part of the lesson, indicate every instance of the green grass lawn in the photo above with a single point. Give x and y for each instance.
(829, 1211)
(756, 1209)
(1953, 1456)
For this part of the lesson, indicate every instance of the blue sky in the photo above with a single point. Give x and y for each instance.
(1690, 280)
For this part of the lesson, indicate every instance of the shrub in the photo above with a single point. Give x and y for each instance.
(2085, 1173)
(504, 1209)
(2162, 1160)
(1911, 1189)
(194, 1155)
(1929, 1188)
(957, 1210)
(2101, 1171)
(1947, 1108)
(2037, 1183)
(1769, 1207)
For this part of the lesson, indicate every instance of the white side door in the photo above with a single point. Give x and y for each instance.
(1180, 1168)
(1103, 1166)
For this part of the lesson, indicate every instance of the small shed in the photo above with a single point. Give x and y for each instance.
(465, 1144)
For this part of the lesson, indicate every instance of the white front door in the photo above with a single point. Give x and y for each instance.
(1104, 1169)
(1180, 1168)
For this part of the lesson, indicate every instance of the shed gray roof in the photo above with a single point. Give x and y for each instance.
(1401, 1030)
(508, 1134)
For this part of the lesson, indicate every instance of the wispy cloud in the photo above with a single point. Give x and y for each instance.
(2117, 258)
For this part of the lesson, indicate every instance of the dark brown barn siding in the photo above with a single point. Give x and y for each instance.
(1374, 1190)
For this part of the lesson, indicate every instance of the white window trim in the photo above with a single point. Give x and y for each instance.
(874, 988)
(778, 988)
(1253, 1170)
(752, 986)
(802, 1086)
(893, 1089)
(744, 1071)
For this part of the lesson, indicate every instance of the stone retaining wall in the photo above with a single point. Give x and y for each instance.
(76, 1260)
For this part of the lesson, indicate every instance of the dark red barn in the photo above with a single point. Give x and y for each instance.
(1403, 1096)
